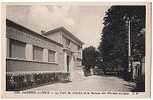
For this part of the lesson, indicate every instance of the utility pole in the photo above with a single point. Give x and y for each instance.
(129, 39)
(130, 69)
(129, 46)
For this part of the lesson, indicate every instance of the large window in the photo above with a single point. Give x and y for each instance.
(51, 56)
(37, 53)
(17, 49)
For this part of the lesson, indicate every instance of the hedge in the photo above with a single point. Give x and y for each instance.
(17, 82)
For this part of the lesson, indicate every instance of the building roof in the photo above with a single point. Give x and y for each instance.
(16, 25)
(65, 31)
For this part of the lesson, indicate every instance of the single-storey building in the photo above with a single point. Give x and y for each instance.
(34, 59)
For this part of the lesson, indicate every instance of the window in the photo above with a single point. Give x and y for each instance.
(67, 42)
(79, 48)
(78, 59)
(17, 49)
(51, 56)
(37, 53)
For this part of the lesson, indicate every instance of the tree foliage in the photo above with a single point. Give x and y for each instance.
(89, 57)
(114, 36)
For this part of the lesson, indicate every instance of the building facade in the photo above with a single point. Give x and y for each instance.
(72, 49)
(29, 55)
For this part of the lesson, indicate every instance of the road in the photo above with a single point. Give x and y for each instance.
(91, 83)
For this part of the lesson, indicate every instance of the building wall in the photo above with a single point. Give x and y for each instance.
(28, 64)
(71, 39)
(143, 66)
(55, 36)
(61, 37)
(74, 48)
(16, 65)
(27, 37)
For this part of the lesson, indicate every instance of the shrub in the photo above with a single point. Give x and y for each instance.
(15, 82)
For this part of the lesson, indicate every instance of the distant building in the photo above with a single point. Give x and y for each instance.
(55, 51)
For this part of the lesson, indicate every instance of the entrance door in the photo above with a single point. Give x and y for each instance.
(68, 62)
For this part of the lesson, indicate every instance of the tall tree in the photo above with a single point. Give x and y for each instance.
(114, 36)
(89, 57)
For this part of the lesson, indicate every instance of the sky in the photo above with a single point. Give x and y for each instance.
(84, 21)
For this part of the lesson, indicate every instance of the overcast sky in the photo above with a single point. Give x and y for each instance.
(85, 22)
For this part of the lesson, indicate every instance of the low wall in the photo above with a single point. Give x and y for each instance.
(24, 74)
(21, 81)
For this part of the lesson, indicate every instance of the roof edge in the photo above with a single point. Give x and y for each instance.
(66, 31)
(14, 24)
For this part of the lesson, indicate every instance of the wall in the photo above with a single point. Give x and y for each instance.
(143, 66)
(21, 34)
(30, 38)
(55, 36)
(15, 65)
(74, 48)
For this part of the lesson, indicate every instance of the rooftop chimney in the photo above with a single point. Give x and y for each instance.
(42, 31)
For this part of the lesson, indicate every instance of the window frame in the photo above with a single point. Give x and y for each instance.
(67, 43)
(55, 56)
(11, 41)
(35, 46)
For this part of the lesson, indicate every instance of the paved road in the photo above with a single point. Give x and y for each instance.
(91, 83)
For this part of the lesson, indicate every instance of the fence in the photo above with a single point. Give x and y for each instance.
(16, 82)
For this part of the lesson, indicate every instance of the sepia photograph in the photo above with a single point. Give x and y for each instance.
(75, 48)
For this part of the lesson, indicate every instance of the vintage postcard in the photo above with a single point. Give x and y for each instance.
(90, 49)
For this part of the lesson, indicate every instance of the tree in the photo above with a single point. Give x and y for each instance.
(99, 60)
(114, 36)
(89, 57)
